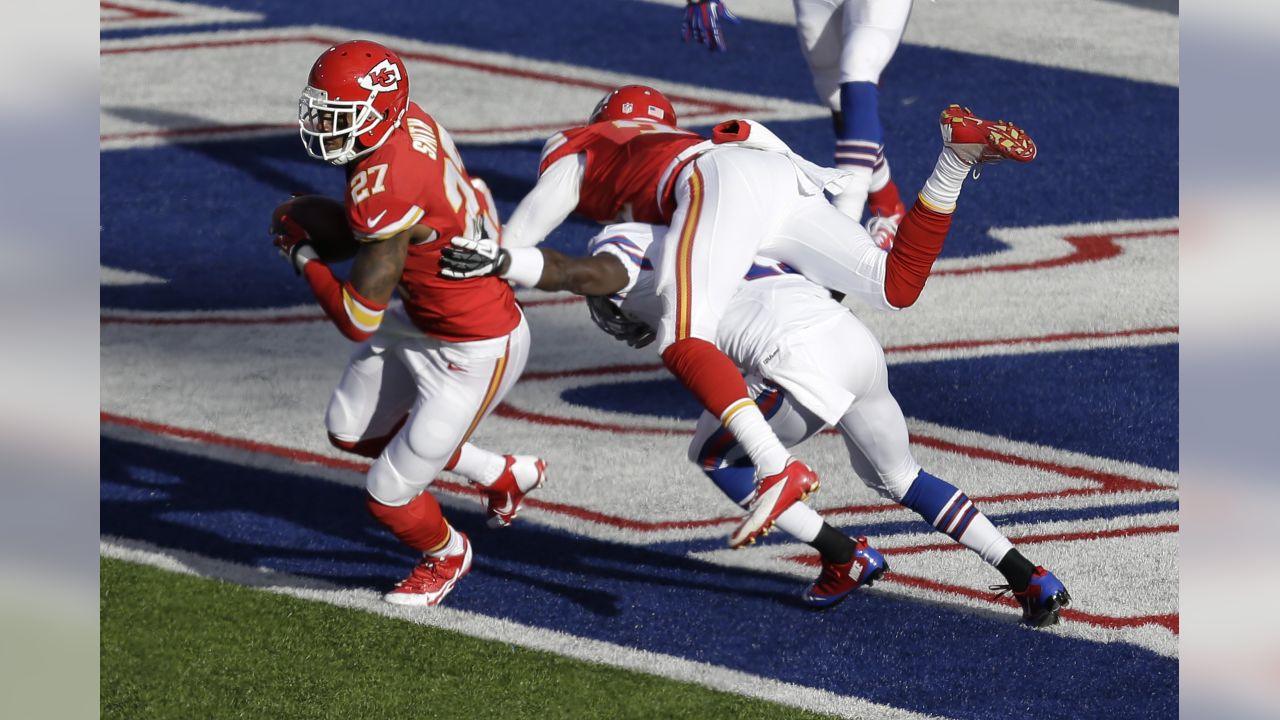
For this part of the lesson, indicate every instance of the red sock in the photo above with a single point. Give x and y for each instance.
(917, 245)
(368, 447)
(419, 524)
(886, 201)
(708, 373)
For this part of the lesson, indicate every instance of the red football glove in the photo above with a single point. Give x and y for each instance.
(292, 241)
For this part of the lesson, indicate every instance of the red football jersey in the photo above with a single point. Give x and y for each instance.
(416, 177)
(625, 161)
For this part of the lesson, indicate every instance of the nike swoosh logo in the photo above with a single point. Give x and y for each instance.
(374, 220)
(508, 507)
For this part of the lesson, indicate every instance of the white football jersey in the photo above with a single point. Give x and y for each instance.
(775, 304)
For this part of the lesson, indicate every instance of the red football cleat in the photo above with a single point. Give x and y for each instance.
(976, 141)
(433, 578)
(504, 497)
(774, 495)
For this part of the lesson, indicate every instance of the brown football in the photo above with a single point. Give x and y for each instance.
(325, 221)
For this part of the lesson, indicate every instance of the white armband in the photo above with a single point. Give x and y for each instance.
(524, 267)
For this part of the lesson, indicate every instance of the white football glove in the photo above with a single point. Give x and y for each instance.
(468, 258)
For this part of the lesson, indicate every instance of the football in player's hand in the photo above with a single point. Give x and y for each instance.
(325, 221)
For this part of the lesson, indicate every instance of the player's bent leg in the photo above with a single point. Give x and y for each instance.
(446, 552)
(832, 250)
(821, 32)
(416, 520)
(370, 447)
(950, 511)
(858, 144)
(370, 403)
(456, 385)
(504, 480)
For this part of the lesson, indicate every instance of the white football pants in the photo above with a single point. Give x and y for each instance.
(873, 427)
(849, 40)
(447, 387)
(733, 204)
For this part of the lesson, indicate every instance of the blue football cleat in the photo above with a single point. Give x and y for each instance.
(1043, 599)
(837, 580)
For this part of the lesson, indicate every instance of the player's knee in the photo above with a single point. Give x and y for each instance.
(894, 486)
(432, 441)
(362, 448)
(370, 447)
(387, 486)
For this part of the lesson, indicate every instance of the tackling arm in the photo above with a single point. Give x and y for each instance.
(599, 274)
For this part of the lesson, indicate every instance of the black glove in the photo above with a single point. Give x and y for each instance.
(606, 315)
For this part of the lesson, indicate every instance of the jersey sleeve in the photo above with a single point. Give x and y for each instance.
(550, 151)
(628, 243)
(549, 204)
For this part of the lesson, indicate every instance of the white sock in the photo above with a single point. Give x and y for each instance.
(983, 538)
(800, 522)
(452, 547)
(853, 199)
(752, 431)
(942, 189)
(479, 465)
(880, 174)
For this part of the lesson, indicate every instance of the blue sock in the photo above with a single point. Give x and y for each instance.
(860, 109)
(736, 481)
(941, 505)
(859, 138)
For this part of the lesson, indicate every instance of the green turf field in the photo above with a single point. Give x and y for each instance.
(175, 646)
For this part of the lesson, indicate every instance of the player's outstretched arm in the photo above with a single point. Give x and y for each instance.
(600, 274)
(544, 269)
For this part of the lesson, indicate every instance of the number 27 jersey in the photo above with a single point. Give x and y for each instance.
(417, 178)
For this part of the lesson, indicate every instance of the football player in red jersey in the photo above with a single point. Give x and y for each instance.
(725, 200)
(430, 369)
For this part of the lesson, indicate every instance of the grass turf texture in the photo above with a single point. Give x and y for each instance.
(175, 646)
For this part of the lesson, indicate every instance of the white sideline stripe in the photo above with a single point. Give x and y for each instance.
(494, 629)
(114, 277)
(179, 13)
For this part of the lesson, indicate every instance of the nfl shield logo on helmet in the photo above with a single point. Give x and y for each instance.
(627, 108)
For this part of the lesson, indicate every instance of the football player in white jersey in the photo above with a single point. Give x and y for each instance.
(848, 44)
(813, 364)
(810, 364)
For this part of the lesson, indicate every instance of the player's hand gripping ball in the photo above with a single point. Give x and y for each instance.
(313, 222)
